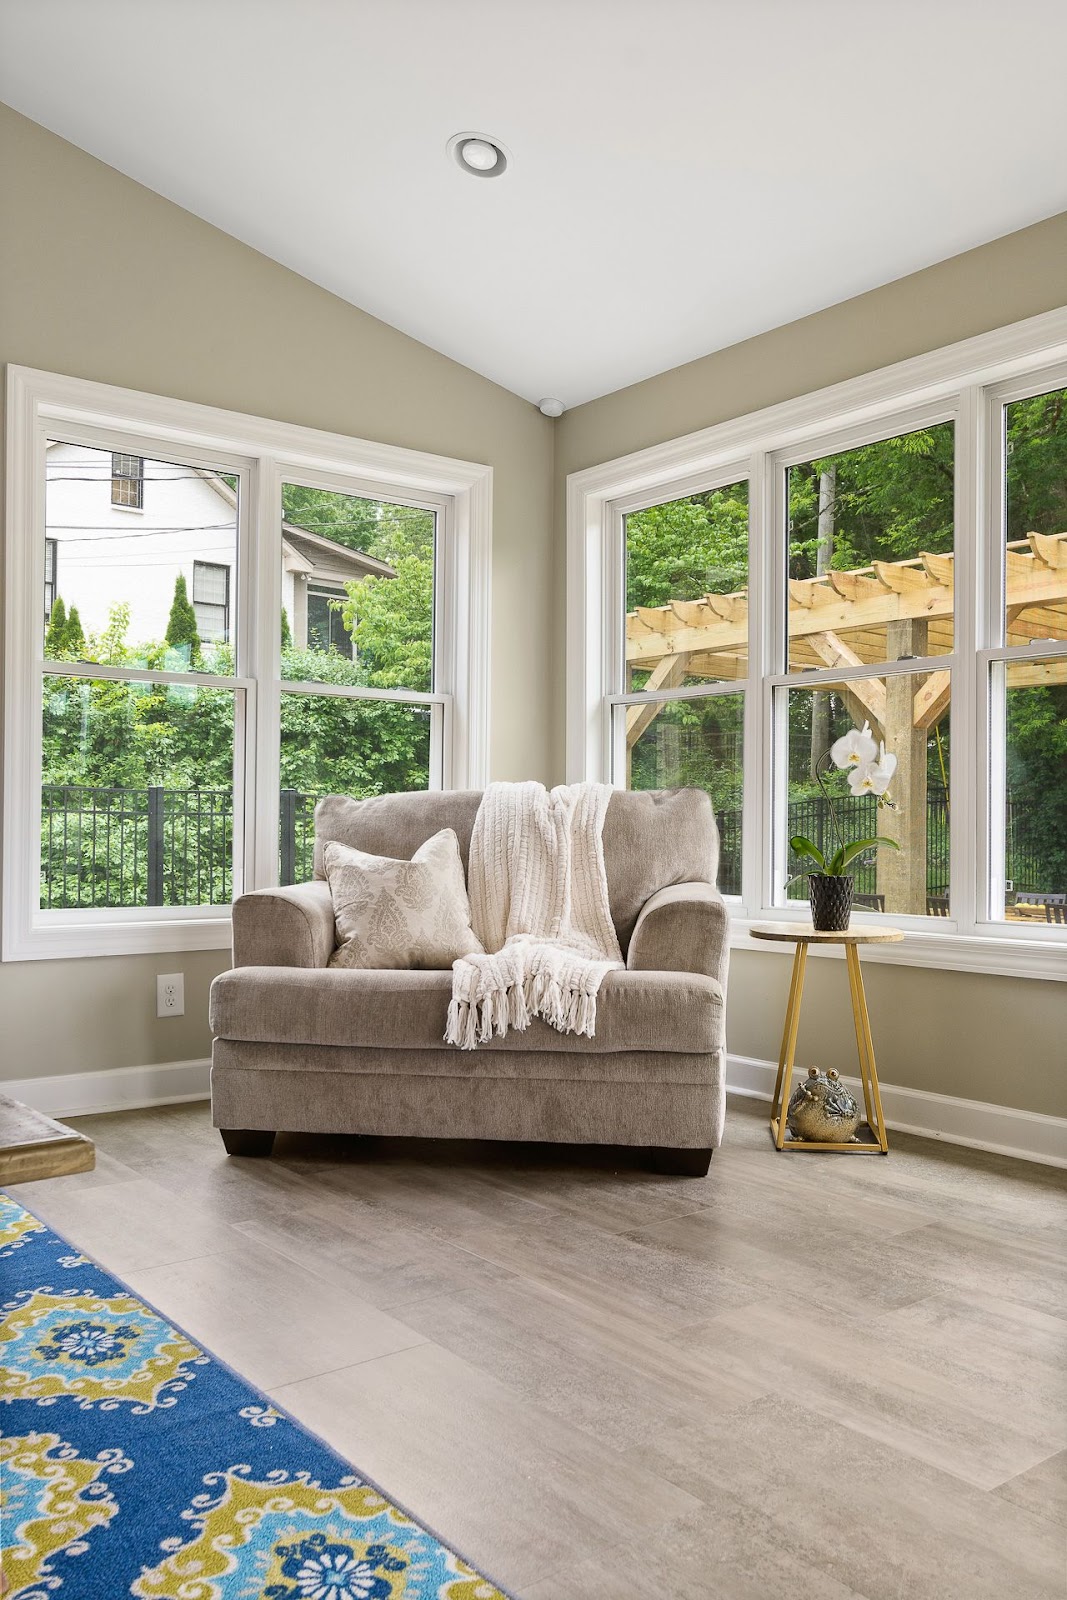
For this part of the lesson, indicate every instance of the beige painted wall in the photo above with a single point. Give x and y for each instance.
(997, 1039)
(103, 279)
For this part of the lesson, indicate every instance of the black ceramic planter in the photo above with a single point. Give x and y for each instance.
(831, 902)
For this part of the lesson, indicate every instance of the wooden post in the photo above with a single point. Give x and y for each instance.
(902, 873)
(824, 551)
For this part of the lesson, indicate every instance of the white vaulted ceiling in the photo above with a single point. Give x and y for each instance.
(684, 173)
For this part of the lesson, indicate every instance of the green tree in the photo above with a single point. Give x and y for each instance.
(1036, 441)
(73, 635)
(182, 633)
(688, 548)
(56, 629)
(287, 632)
(891, 500)
(391, 619)
(344, 518)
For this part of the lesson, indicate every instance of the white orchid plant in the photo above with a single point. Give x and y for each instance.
(870, 769)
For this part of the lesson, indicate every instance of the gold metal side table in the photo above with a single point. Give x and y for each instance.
(871, 1137)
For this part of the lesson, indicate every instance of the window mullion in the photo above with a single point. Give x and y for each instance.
(968, 867)
(261, 599)
(774, 751)
(755, 791)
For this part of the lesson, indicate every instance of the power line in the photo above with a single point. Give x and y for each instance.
(139, 533)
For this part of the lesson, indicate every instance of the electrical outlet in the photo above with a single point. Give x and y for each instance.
(170, 994)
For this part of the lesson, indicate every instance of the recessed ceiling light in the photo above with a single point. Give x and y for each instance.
(479, 155)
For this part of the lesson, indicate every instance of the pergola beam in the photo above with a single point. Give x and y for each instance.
(666, 674)
(868, 692)
(840, 603)
(932, 700)
(845, 619)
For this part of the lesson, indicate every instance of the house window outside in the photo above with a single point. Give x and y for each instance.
(907, 568)
(127, 481)
(50, 566)
(211, 601)
(326, 628)
(142, 792)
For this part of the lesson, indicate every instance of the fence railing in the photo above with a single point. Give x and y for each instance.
(174, 847)
(135, 847)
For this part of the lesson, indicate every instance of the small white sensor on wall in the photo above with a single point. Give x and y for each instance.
(551, 408)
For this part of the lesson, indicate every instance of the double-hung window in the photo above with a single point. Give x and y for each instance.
(127, 480)
(49, 577)
(889, 555)
(211, 601)
(166, 748)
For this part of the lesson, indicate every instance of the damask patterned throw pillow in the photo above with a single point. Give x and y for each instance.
(400, 913)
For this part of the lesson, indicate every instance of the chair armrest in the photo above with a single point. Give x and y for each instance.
(683, 928)
(284, 927)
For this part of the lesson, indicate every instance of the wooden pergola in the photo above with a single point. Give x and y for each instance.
(864, 617)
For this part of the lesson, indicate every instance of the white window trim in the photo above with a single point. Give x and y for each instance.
(265, 453)
(965, 382)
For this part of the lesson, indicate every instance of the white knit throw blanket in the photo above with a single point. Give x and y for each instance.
(539, 905)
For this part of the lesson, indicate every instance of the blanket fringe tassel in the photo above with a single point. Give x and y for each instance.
(569, 1009)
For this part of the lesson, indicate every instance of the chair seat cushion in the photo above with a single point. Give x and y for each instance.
(406, 1010)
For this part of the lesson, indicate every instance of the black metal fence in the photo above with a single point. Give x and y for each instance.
(858, 815)
(174, 847)
(135, 847)
(297, 836)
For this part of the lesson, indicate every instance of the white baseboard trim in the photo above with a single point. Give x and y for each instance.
(81, 1094)
(1002, 1130)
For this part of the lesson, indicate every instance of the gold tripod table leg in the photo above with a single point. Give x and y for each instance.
(789, 1043)
(861, 1039)
(872, 1094)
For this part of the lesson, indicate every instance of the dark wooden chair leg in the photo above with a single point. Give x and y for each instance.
(678, 1163)
(247, 1141)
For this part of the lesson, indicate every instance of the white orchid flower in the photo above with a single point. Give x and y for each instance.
(873, 777)
(855, 749)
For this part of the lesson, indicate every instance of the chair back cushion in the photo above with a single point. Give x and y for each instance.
(652, 837)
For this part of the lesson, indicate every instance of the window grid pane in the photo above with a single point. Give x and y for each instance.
(687, 590)
(137, 584)
(333, 744)
(137, 794)
(377, 558)
(696, 742)
(908, 715)
(870, 552)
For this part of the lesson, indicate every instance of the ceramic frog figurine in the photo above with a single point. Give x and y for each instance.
(821, 1108)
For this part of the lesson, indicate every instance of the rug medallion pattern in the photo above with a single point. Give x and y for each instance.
(133, 1463)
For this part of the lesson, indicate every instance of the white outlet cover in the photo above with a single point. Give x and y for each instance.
(170, 994)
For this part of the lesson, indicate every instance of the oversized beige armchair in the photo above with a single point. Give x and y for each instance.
(303, 1047)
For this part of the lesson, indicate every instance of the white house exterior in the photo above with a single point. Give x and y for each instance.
(120, 529)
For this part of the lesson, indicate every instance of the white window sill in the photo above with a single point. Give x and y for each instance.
(68, 938)
(997, 954)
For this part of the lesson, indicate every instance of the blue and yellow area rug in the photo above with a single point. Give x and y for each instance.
(134, 1463)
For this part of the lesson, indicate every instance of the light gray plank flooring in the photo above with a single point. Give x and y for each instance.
(813, 1377)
